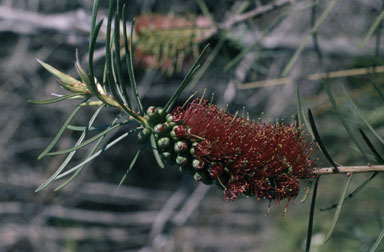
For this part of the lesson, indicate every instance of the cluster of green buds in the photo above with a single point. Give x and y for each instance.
(174, 150)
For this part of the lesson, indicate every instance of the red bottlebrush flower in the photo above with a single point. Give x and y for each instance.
(180, 131)
(251, 158)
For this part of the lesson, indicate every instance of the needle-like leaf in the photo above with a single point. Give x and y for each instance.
(379, 158)
(372, 28)
(338, 209)
(320, 142)
(118, 67)
(185, 82)
(300, 115)
(156, 151)
(362, 117)
(95, 155)
(378, 241)
(342, 120)
(85, 143)
(353, 193)
(131, 165)
(60, 133)
(57, 99)
(311, 216)
(298, 51)
(69, 157)
(129, 59)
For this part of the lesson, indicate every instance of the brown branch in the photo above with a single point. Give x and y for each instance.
(256, 12)
(349, 169)
(31, 22)
(313, 77)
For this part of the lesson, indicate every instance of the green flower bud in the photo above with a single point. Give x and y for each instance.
(143, 134)
(151, 111)
(164, 142)
(159, 128)
(197, 176)
(180, 146)
(172, 134)
(169, 118)
(192, 149)
(182, 161)
(167, 155)
(197, 164)
(161, 112)
(170, 125)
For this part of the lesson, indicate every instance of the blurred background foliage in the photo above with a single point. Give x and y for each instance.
(159, 209)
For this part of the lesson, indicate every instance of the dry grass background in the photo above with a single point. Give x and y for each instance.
(157, 210)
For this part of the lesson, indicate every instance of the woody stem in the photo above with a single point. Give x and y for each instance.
(349, 169)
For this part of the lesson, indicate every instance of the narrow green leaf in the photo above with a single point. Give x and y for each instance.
(379, 158)
(60, 133)
(81, 128)
(56, 99)
(85, 143)
(320, 142)
(77, 172)
(92, 85)
(108, 45)
(92, 41)
(100, 127)
(133, 162)
(299, 108)
(95, 147)
(342, 119)
(109, 69)
(206, 64)
(185, 82)
(70, 155)
(311, 216)
(118, 67)
(353, 193)
(95, 155)
(65, 79)
(378, 90)
(299, 50)
(338, 209)
(95, 9)
(83, 75)
(129, 60)
(95, 29)
(378, 241)
(372, 28)
(300, 115)
(257, 45)
(156, 151)
(204, 9)
(362, 117)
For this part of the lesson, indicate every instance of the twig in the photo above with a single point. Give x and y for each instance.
(191, 204)
(256, 12)
(313, 77)
(349, 169)
(30, 22)
(11, 233)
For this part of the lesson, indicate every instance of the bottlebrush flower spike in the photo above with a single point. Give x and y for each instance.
(165, 41)
(244, 157)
